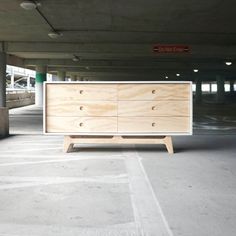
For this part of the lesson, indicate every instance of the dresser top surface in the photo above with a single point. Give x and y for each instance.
(118, 82)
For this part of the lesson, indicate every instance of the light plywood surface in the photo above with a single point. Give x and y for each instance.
(153, 108)
(139, 92)
(81, 92)
(81, 124)
(58, 107)
(153, 124)
(69, 141)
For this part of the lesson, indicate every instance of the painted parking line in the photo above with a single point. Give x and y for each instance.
(13, 182)
(147, 210)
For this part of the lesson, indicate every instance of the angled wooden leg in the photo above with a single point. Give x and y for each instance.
(169, 145)
(67, 145)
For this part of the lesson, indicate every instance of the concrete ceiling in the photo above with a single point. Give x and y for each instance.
(111, 35)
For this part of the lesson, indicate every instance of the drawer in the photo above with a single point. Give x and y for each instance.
(81, 124)
(75, 92)
(81, 108)
(153, 92)
(153, 108)
(153, 124)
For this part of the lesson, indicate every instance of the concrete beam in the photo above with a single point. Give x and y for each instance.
(141, 70)
(116, 49)
(133, 64)
(15, 61)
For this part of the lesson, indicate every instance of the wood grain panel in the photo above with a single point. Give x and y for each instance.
(153, 92)
(153, 108)
(57, 107)
(153, 124)
(81, 124)
(81, 92)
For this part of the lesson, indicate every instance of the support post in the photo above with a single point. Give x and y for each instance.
(231, 82)
(73, 77)
(12, 80)
(3, 79)
(61, 75)
(28, 82)
(4, 115)
(198, 94)
(220, 95)
(41, 76)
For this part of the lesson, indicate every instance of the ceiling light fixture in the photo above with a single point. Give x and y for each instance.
(178, 74)
(228, 63)
(30, 5)
(55, 34)
(75, 58)
(195, 70)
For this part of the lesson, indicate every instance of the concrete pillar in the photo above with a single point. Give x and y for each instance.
(198, 94)
(231, 82)
(220, 95)
(73, 77)
(12, 79)
(61, 75)
(28, 82)
(3, 62)
(4, 115)
(41, 76)
(210, 85)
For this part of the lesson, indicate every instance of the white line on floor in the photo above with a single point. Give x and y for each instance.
(66, 157)
(147, 210)
(59, 160)
(23, 182)
(32, 150)
(125, 229)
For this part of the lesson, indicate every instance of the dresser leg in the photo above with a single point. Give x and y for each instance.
(169, 145)
(67, 145)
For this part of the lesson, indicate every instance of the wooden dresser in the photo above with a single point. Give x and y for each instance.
(118, 112)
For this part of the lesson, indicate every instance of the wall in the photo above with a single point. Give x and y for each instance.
(20, 99)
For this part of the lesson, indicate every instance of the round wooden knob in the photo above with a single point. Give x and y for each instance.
(153, 124)
(81, 91)
(153, 91)
(81, 124)
(81, 108)
(153, 107)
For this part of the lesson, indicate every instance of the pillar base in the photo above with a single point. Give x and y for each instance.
(4, 122)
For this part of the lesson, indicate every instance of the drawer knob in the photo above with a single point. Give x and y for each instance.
(81, 108)
(153, 124)
(153, 108)
(81, 91)
(153, 91)
(81, 124)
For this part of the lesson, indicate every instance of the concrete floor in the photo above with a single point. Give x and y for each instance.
(115, 190)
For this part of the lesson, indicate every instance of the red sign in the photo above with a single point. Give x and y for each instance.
(170, 48)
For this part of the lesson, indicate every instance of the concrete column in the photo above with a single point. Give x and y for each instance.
(198, 94)
(41, 76)
(12, 79)
(28, 82)
(3, 62)
(220, 95)
(73, 77)
(210, 85)
(61, 75)
(231, 82)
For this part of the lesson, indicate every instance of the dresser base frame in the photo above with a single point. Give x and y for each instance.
(69, 141)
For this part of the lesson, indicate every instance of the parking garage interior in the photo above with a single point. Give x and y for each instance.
(117, 189)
